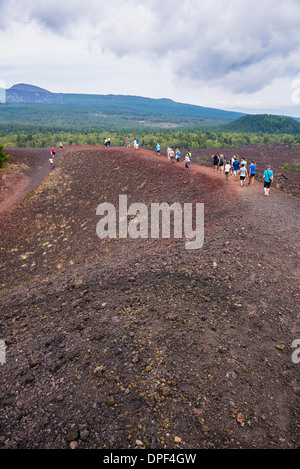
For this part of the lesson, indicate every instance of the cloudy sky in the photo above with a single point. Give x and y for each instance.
(229, 54)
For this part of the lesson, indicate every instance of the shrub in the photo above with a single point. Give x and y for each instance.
(295, 166)
(285, 167)
(3, 156)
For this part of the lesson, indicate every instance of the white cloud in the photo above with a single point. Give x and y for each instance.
(237, 47)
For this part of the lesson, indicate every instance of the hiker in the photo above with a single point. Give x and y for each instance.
(51, 157)
(60, 145)
(137, 142)
(177, 155)
(251, 173)
(227, 170)
(231, 162)
(127, 142)
(221, 163)
(105, 142)
(108, 142)
(215, 161)
(158, 148)
(171, 155)
(187, 160)
(243, 162)
(268, 179)
(243, 174)
(236, 167)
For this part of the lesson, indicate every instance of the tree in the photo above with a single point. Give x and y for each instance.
(3, 156)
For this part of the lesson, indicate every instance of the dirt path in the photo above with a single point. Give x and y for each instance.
(140, 343)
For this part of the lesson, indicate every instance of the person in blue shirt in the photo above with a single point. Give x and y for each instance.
(251, 173)
(236, 167)
(268, 179)
(177, 155)
(158, 149)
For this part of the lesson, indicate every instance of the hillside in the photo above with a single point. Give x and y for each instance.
(141, 343)
(118, 104)
(264, 123)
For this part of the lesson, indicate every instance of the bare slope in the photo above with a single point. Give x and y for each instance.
(124, 344)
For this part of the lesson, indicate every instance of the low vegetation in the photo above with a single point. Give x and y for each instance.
(36, 138)
(3, 156)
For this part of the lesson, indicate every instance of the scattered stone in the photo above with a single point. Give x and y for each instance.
(99, 370)
(72, 433)
(84, 434)
(29, 377)
(110, 401)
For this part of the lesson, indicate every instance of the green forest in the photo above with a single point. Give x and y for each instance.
(266, 124)
(45, 125)
(148, 139)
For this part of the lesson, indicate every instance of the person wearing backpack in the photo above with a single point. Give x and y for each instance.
(215, 162)
(187, 160)
(221, 163)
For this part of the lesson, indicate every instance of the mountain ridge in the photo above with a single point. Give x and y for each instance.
(30, 94)
(29, 88)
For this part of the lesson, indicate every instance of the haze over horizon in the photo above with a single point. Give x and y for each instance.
(241, 56)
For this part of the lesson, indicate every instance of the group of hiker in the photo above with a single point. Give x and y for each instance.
(231, 166)
(171, 154)
(136, 143)
(239, 168)
(175, 155)
(52, 154)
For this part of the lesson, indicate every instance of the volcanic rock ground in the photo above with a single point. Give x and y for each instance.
(141, 343)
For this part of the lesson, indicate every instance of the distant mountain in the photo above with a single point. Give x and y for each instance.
(23, 93)
(118, 104)
(29, 88)
(264, 123)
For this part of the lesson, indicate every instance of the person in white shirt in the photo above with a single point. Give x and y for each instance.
(227, 170)
(243, 174)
